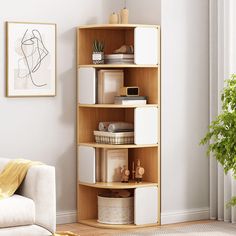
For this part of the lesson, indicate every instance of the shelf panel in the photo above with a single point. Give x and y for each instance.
(94, 223)
(102, 145)
(115, 26)
(119, 185)
(115, 105)
(118, 66)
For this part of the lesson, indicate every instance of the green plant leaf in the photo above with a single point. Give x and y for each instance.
(98, 46)
(222, 131)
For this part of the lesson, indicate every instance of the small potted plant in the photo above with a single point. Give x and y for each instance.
(222, 132)
(98, 52)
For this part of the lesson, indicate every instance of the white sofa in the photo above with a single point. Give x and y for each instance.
(32, 210)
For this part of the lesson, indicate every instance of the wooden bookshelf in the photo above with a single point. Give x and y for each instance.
(147, 78)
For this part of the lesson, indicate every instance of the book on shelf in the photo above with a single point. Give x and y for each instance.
(131, 97)
(119, 56)
(115, 160)
(111, 161)
(102, 168)
(98, 164)
(109, 84)
(131, 100)
(119, 61)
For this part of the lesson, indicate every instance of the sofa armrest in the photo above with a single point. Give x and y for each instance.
(39, 185)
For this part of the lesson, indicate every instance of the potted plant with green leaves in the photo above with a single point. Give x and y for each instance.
(98, 52)
(222, 132)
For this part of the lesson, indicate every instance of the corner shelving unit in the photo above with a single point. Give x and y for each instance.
(147, 77)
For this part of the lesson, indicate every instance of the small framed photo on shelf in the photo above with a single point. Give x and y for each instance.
(31, 59)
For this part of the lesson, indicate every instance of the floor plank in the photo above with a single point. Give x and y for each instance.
(84, 230)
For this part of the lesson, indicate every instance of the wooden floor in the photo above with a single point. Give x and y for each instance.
(84, 230)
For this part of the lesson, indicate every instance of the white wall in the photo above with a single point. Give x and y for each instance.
(44, 128)
(185, 73)
(148, 11)
(184, 25)
(232, 37)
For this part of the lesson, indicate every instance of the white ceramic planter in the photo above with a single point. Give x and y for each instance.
(98, 57)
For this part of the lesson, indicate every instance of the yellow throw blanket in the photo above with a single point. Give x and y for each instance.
(12, 176)
(67, 233)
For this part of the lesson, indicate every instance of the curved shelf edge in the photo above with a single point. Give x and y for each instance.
(118, 185)
(94, 223)
(118, 65)
(103, 145)
(114, 105)
(115, 26)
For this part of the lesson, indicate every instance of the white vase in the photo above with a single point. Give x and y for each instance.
(124, 15)
(114, 18)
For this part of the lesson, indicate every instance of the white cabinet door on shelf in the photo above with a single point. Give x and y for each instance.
(146, 125)
(86, 164)
(146, 50)
(86, 85)
(145, 205)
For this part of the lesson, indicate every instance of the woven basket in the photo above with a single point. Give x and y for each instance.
(115, 210)
(114, 138)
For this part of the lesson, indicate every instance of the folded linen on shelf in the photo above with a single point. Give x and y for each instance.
(120, 127)
(103, 126)
(115, 126)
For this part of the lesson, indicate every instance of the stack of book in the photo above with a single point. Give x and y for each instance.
(108, 85)
(119, 58)
(109, 163)
(131, 100)
(101, 164)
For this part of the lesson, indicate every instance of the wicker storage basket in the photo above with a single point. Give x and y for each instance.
(114, 138)
(115, 210)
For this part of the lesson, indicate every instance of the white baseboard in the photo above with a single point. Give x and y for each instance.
(66, 217)
(185, 215)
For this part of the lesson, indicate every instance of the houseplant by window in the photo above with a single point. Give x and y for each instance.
(222, 131)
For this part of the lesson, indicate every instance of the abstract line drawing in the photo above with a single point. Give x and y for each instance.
(31, 59)
(34, 52)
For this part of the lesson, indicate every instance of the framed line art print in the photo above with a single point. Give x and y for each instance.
(31, 59)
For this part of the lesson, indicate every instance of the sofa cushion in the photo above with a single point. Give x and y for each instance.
(29, 230)
(16, 210)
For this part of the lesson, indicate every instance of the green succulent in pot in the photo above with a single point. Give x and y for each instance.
(222, 132)
(98, 52)
(98, 46)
